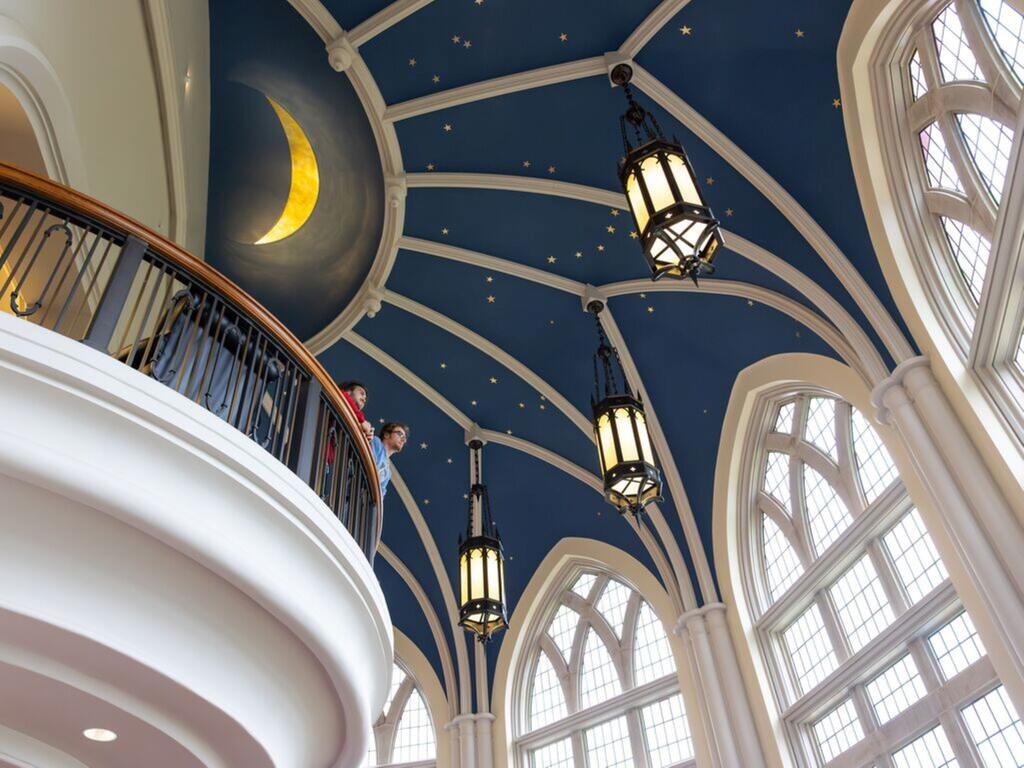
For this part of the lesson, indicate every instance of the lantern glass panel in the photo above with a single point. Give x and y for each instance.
(627, 440)
(493, 580)
(645, 439)
(684, 180)
(476, 574)
(636, 201)
(464, 578)
(606, 438)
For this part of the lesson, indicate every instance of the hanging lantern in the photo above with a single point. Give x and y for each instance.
(631, 478)
(481, 563)
(677, 230)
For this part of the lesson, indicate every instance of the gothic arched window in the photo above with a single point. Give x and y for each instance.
(873, 660)
(957, 74)
(600, 687)
(404, 733)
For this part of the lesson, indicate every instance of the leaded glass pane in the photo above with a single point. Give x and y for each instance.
(608, 745)
(820, 429)
(583, 585)
(937, 161)
(861, 603)
(989, 143)
(776, 478)
(547, 701)
(414, 737)
(896, 689)
(809, 649)
(837, 731)
(666, 732)
(652, 655)
(784, 421)
(557, 755)
(782, 566)
(1007, 27)
(875, 469)
(563, 630)
(598, 679)
(997, 730)
(918, 84)
(932, 750)
(956, 646)
(826, 512)
(970, 251)
(956, 60)
(612, 605)
(914, 556)
(397, 678)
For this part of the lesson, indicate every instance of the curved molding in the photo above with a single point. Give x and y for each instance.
(243, 493)
(858, 288)
(22, 751)
(565, 558)
(450, 693)
(25, 69)
(499, 86)
(384, 19)
(430, 687)
(509, 183)
(494, 351)
(166, 74)
(958, 97)
(441, 574)
(328, 29)
(651, 26)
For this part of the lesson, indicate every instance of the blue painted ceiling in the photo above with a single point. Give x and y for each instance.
(764, 73)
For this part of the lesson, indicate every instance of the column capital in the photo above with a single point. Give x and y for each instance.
(468, 718)
(895, 380)
(695, 616)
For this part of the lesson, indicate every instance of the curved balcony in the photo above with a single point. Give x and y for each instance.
(74, 266)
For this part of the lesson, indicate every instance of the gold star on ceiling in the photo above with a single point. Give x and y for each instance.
(600, 247)
(424, 446)
(493, 380)
(551, 169)
(490, 279)
(563, 37)
(508, 431)
(449, 460)
(456, 39)
(436, 79)
(526, 163)
(710, 180)
(430, 166)
(750, 302)
(444, 365)
(579, 254)
(643, 295)
(444, 230)
(552, 259)
(543, 407)
(614, 211)
(729, 211)
(610, 229)
(633, 235)
(551, 322)
(447, 127)
(799, 33)
(650, 310)
(426, 502)
(836, 103)
(490, 299)
(797, 334)
(522, 405)
(472, 402)
(412, 62)
(686, 30)
(479, 2)
(468, 44)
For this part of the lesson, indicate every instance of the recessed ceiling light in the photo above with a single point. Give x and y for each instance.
(99, 734)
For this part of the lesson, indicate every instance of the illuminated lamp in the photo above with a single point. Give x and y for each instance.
(482, 608)
(631, 478)
(678, 232)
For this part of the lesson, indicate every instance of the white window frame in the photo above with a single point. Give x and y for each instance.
(908, 632)
(386, 725)
(629, 703)
(985, 337)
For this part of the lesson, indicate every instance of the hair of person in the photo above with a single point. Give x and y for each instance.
(391, 426)
(348, 386)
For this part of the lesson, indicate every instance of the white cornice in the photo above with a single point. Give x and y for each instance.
(383, 19)
(651, 26)
(499, 86)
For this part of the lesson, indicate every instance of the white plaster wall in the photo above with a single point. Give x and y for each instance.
(99, 53)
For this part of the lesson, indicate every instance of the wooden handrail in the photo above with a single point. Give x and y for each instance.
(118, 222)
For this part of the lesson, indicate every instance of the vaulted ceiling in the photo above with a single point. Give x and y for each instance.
(481, 319)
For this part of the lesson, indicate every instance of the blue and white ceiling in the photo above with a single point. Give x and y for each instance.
(511, 210)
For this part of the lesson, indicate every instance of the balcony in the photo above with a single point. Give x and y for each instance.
(190, 510)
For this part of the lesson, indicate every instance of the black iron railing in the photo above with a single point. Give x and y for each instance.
(74, 266)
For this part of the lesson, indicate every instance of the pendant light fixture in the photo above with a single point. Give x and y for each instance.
(482, 608)
(677, 230)
(631, 478)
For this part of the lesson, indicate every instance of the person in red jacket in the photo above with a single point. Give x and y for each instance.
(355, 393)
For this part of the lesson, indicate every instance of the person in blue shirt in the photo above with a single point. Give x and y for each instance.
(392, 438)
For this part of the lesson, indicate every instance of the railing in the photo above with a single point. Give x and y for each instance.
(77, 267)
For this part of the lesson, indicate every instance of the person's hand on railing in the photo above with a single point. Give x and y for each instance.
(367, 430)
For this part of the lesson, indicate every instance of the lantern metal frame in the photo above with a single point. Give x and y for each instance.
(663, 223)
(612, 393)
(487, 540)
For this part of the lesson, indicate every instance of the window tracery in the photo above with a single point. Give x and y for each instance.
(404, 732)
(872, 658)
(600, 686)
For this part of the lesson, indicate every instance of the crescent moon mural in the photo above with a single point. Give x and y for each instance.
(305, 182)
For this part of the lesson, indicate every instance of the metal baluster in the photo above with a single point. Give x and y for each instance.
(114, 297)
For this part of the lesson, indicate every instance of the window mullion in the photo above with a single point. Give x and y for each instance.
(638, 743)
(865, 712)
(887, 576)
(846, 459)
(830, 618)
(579, 750)
(986, 52)
(960, 740)
(974, 186)
(924, 41)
